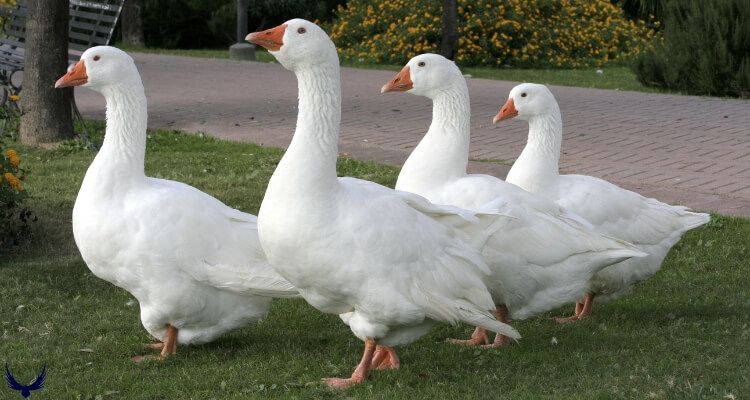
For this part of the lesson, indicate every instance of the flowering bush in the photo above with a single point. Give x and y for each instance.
(13, 216)
(519, 33)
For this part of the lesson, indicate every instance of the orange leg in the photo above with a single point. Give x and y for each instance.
(587, 306)
(501, 313)
(583, 309)
(168, 347)
(170, 342)
(479, 337)
(385, 358)
(579, 308)
(360, 373)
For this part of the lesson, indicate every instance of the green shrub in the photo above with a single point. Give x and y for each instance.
(706, 49)
(519, 33)
(14, 217)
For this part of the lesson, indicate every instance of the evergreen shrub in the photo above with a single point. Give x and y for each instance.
(706, 49)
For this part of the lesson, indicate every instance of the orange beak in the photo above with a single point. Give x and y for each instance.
(75, 77)
(507, 112)
(272, 39)
(400, 83)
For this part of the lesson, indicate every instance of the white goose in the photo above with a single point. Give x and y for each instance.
(195, 265)
(390, 263)
(654, 227)
(544, 257)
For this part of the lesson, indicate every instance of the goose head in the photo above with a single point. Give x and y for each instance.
(101, 67)
(527, 101)
(297, 43)
(425, 75)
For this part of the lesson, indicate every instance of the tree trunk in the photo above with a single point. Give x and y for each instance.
(449, 43)
(46, 111)
(132, 23)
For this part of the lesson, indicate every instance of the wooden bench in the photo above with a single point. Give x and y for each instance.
(12, 50)
(91, 23)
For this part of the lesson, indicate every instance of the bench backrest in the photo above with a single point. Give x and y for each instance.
(16, 24)
(12, 44)
(91, 24)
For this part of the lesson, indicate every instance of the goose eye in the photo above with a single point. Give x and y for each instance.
(301, 30)
(96, 58)
(421, 64)
(523, 94)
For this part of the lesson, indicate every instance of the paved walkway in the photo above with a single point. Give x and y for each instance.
(680, 149)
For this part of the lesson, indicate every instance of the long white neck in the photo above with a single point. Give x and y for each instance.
(443, 153)
(309, 164)
(124, 147)
(537, 166)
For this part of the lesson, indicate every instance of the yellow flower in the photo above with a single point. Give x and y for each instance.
(14, 160)
(13, 181)
(14, 97)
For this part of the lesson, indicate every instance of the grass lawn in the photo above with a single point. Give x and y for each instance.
(682, 334)
(614, 78)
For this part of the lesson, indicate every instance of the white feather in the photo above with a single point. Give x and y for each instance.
(652, 226)
(545, 255)
(189, 260)
(391, 263)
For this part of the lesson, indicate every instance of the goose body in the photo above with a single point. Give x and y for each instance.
(194, 265)
(654, 227)
(390, 263)
(545, 256)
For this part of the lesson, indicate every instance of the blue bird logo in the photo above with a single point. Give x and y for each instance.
(26, 390)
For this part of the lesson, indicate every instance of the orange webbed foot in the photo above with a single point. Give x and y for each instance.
(360, 373)
(341, 383)
(500, 340)
(479, 337)
(583, 309)
(563, 320)
(385, 358)
(168, 347)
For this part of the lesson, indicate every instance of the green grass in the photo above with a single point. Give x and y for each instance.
(261, 55)
(682, 334)
(614, 78)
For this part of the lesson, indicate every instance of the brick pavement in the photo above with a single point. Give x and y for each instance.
(680, 149)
